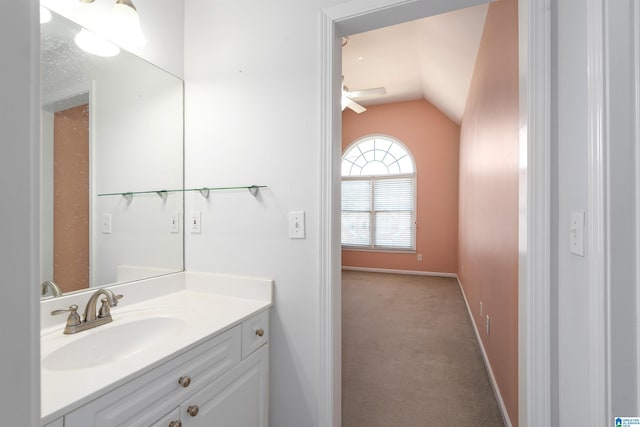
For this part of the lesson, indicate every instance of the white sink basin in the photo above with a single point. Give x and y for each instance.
(114, 342)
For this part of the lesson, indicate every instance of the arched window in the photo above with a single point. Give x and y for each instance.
(378, 195)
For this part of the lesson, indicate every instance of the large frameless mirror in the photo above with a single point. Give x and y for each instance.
(112, 164)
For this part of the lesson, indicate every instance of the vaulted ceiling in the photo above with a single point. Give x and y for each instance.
(431, 58)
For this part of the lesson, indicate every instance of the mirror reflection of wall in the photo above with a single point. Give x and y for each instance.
(71, 198)
(110, 125)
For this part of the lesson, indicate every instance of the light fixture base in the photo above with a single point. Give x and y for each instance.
(125, 2)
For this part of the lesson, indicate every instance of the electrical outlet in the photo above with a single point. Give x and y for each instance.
(419, 257)
(481, 313)
(488, 325)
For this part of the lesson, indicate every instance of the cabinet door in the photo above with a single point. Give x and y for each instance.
(237, 399)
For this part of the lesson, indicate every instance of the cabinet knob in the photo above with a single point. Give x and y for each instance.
(260, 332)
(175, 424)
(193, 410)
(184, 382)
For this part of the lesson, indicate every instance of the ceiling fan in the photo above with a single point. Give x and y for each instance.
(348, 96)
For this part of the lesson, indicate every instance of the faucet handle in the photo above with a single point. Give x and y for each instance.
(74, 317)
(105, 308)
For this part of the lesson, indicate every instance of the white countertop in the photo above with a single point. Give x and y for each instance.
(209, 304)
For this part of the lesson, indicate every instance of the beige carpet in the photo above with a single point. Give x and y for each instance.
(409, 355)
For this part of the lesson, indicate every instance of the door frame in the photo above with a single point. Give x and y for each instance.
(534, 324)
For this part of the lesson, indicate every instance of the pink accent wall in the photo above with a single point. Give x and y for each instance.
(488, 231)
(433, 139)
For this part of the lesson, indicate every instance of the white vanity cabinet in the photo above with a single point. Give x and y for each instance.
(216, 383)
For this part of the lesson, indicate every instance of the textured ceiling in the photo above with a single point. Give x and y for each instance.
(431, 58)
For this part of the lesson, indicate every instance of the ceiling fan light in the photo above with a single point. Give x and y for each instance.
(89, 42)
(125, 25)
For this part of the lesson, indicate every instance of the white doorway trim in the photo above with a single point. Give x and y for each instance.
(534, 278)
(636, 67)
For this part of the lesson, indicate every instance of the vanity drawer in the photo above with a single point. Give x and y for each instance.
(171, 417)
(148, 398)
(255, 332)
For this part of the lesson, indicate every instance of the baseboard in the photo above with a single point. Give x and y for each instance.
(492, 378)
(392, 271)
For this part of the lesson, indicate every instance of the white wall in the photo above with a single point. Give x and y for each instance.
(252, 72)
(19, 224)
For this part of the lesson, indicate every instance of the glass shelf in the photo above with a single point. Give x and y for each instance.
(253, 189)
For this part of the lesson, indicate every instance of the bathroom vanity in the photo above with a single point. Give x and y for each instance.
(196, 355)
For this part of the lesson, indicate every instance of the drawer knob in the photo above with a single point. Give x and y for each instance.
(184, 381)
(175, 424)
(193, 410)
(260, 332)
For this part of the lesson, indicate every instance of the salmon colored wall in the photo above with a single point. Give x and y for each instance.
(488, 232)
(433, 140)
(71, 198)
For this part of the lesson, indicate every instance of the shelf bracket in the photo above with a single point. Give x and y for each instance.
(204, 192)
(162, 194)
(128, 197)
(254, 190)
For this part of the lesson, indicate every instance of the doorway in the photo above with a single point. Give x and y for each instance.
(534, 17)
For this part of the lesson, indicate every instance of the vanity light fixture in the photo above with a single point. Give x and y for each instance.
(94, 44)
(45, 15)
(125, 24)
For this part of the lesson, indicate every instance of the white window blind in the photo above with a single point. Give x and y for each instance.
(394, 216)
(378, 212)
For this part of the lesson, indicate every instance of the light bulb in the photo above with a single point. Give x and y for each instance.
(89, 42)
(125, 25)
(45, 15)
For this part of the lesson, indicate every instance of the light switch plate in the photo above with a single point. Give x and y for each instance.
(576, 233)
(174, 224)
(106, 223)
(296, 225)
(194, 225)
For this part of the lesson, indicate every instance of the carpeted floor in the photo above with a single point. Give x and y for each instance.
(410, 356)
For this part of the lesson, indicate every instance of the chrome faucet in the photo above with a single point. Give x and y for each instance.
(90, 319)
(51, 285)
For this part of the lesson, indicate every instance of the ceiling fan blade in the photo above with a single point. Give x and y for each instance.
(368, 92)
(355, 106)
